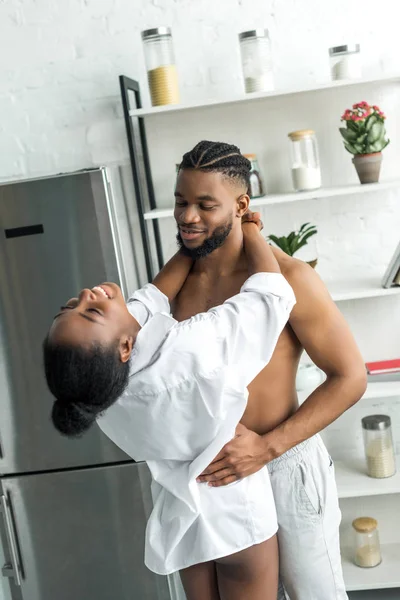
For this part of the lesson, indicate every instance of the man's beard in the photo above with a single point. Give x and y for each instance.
(216, 240)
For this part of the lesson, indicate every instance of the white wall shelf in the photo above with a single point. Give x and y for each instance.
(353, 482)
(351, 475)
(283, 198)
(384, 389)
(331, 85)
(359, 288)
(385, 575)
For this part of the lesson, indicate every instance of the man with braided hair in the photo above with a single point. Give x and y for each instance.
(211, 196)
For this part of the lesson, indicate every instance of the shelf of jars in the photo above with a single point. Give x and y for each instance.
(284, 197)
(352, 478)
(251, 97)
(353, 481)
(386, 575)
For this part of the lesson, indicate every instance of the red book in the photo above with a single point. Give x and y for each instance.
(383, 366)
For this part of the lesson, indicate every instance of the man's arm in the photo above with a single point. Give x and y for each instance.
(327, 339)
(173, 275)
(325, 335)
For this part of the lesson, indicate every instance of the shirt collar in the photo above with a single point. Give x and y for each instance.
(149, 339)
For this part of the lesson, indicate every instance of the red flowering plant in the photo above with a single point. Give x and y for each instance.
(365, 129)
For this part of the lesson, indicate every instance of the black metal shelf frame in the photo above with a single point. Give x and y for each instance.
(140, 163)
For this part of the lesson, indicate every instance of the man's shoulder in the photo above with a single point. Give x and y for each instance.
(295, 270)
(309, 289)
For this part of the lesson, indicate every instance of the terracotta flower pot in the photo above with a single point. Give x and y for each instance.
(313, 263)
(368, 167)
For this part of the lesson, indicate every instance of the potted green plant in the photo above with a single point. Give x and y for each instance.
(365, 137)
(295, 240)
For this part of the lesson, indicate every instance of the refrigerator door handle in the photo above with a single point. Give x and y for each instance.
(10, 570)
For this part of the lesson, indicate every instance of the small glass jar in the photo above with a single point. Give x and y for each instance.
(160, 64)
(345, 62)
(255, 50)
(306, 172)
(378, 444)
(256, 183)
(367, 550)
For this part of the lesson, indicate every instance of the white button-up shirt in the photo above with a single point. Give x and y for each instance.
(187, 392)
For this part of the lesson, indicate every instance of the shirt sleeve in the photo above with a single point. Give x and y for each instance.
(146, 302)
(251, 322)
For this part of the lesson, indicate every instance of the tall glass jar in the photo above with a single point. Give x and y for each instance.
(345, 62)
(256, 183)
(367, 550)
(378, 444)
(306, 173)
(255, 50)
(161, 68)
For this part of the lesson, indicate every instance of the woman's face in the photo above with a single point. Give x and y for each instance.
(98, 315)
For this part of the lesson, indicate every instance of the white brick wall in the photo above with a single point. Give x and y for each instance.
(60, 61)
(60, 110)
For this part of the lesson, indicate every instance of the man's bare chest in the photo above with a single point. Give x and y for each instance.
(199, 295)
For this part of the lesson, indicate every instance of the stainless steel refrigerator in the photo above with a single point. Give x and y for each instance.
(73, 513)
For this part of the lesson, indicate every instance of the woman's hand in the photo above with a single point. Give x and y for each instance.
(253, 217)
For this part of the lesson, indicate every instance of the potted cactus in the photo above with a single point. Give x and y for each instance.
(295, 240)
(365, 137)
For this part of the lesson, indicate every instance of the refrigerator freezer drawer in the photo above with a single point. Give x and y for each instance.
(80, 535)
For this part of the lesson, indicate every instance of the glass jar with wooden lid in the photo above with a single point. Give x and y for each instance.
(367, 551)
(306, 173)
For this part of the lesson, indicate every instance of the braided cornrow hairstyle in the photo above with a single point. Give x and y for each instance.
(219, 157)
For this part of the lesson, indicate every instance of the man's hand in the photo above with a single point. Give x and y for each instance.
(242, 456)
(253, 217)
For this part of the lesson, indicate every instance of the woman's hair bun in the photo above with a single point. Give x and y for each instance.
(71, 419)
(84, 381)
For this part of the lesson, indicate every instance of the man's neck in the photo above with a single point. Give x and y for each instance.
(225, 260)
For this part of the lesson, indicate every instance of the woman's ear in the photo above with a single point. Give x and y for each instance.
(125, 347)
(242, 205)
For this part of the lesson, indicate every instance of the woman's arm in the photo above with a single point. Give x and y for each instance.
(173, 275)
(260, 258)
(250, 322)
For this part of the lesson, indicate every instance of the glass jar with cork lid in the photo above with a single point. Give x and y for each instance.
(378, 444)
(306, 173)
(367, 551)
(161, 68)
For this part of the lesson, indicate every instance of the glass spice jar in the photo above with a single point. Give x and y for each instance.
(161, 68)
(255, 50)
(306, 173)
(345, 62)
(256, 183)
(378, 444)
(367, 550)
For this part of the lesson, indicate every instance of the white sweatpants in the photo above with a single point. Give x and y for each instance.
(303, 482)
